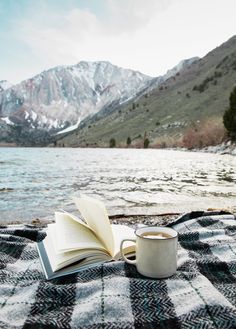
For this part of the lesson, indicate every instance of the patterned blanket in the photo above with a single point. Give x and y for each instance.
(202, 294)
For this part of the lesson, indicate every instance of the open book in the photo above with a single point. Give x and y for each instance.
(72, 244)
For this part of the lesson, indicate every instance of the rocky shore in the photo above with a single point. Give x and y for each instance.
(152, 220)
(224, 148)
(132, 220)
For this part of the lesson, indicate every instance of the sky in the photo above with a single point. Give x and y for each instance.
(150, 36)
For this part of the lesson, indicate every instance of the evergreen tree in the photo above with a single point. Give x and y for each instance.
(146, 143)
(128, 142)
(229, 118)
(112, 142)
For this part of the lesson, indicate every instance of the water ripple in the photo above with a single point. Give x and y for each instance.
(40, 181)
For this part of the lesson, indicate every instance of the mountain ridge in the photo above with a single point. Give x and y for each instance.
(63, 96)
(55, 101)
(195, 97)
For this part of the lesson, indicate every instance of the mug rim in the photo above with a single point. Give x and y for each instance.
(154, 226)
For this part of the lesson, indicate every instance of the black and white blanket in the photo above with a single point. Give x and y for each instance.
(202, 294)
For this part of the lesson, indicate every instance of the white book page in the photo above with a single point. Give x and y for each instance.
(58, 261)
(51, 232)
(77, 219)
(71, 235)
(121, 232)
(95, 215)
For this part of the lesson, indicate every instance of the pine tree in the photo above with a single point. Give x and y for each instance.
(146, 143)
(128, 142)
(112, 142)
(229, 118)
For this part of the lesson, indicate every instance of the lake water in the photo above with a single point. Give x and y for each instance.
(34, 182)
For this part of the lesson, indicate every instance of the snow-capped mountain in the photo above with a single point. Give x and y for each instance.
(4, 84)
(57, 100)
(62, 97)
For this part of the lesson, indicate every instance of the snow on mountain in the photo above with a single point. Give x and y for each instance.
(61, 97)
(4, 84)
(71, 128)
(182, 65)
(7, 121)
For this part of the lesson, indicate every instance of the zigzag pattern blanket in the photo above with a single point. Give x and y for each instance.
(202, 294)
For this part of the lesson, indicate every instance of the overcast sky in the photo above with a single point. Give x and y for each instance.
(150, 36)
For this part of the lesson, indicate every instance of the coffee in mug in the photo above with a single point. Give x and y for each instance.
(156, 235)
(156, 251)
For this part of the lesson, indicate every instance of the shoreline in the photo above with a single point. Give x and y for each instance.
(133, 220)
(130, 220)
(223, 148)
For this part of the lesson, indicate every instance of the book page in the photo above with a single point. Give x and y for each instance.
(77, 219)
(95, 215)
(58, 261)
(71, 235)
(121, 232)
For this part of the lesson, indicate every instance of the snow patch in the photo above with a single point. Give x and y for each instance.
(8, 121)
(4, 84)
(34, 115)
(69, 128)
(54, 124)
(44, 119)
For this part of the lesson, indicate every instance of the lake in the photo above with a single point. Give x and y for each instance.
(34, 182)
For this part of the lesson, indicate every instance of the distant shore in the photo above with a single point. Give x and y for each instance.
(223, 148)
(8, 145)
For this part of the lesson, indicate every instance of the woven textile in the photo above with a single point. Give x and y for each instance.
(202, 294)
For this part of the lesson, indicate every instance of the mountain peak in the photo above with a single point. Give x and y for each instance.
(4, 84)
(94, 63)
(57, 99)
(185, 63)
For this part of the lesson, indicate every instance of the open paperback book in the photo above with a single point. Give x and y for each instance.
(72, 244)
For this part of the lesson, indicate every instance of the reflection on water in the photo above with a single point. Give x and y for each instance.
(34, 182)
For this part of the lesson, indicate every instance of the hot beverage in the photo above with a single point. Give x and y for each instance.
(156, 235)
(156, 251)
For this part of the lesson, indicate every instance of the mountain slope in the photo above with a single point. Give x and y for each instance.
(197, 93)
(61, 97)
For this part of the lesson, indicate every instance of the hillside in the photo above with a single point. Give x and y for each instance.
(196, 95)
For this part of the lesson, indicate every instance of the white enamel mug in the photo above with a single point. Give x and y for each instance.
(156, 251)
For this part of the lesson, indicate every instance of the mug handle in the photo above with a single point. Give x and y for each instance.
(122, 254)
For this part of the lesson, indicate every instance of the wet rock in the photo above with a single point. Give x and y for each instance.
(6, 189)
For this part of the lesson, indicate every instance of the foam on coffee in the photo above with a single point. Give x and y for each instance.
(156, 235)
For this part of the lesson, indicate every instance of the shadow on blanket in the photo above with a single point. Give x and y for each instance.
(202, 294)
